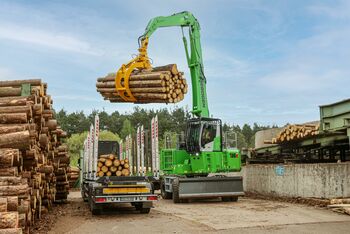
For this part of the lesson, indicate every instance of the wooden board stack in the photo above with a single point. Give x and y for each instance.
(31, 154)
(163, 84)
(109, 165)
(73, 176)
(295, 132)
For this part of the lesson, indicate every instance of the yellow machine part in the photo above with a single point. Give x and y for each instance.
(123, 74)
(126, 190)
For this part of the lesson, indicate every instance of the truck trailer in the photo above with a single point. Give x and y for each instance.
(108, 191)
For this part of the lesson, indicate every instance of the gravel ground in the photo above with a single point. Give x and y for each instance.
(245, 216)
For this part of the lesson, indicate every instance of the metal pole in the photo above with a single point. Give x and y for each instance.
(96, 135)
(142, 151)
(153, 149)
(157, 145)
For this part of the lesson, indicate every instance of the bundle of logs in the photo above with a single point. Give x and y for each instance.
(73, 176)
(32, 156)
(163, 84)
(109, 165)
(295, 132)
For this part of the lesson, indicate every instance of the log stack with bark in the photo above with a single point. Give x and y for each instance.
(73, 176)
(163, 84)
(295, 132)
(109, 165)
(30, 154)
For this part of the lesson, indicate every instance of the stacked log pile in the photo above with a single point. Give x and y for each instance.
(295, 132)
(109, 165)
(163, 84)
(73, 176)
(30, 154)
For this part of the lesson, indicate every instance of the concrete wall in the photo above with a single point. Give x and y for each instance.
(326, 180)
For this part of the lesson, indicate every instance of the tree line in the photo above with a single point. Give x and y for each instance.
(171, 121)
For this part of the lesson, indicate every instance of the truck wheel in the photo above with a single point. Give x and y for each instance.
(85, 199)
(138, 206)
(164, 194)
(176, 197)
(94, 209)
(229, 199)
(145, 210)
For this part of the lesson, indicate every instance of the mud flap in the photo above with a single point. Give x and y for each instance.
(210, 187)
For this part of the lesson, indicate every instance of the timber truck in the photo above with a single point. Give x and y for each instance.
(200, 167)
(108, 191)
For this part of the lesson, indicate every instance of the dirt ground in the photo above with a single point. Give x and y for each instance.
(245, 216)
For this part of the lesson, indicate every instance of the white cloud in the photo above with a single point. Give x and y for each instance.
(55, 40)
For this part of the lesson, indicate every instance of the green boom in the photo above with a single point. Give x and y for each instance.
(194, 60)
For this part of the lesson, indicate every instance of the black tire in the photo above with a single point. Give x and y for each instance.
(138, 206)
(229, 199)
(85, 199)
(145, 210)
(176, 197)
(163, 193)
(94, 209)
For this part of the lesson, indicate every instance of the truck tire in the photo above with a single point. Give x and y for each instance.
(176, 197)
(145, 210)
(229, 199)
(93, 208)
(85, 199)
(163, 193)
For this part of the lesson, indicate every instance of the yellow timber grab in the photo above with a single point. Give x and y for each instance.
(123, 75)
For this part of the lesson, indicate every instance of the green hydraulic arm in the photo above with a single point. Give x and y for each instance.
(194, 57)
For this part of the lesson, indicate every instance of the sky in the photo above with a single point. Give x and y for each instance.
(269, 62)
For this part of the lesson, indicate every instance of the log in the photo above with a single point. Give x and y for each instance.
(17, 101)
(51, 124)
(3, 204)
(12, 171)
(19, 140)
(9, 128)
(11, 180)
(8, 156)
(104, 169)
(340, 201)
(136, 76)
(8, 220)
(46, 169)
(13, 190)
(16, 109)
(113, 169)
(170, 67)
(12, 203)
(13, 118)
(11, 231)
(16, 83)
(142, 101)
(108, 162)
(116, 162)
(125, 172)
